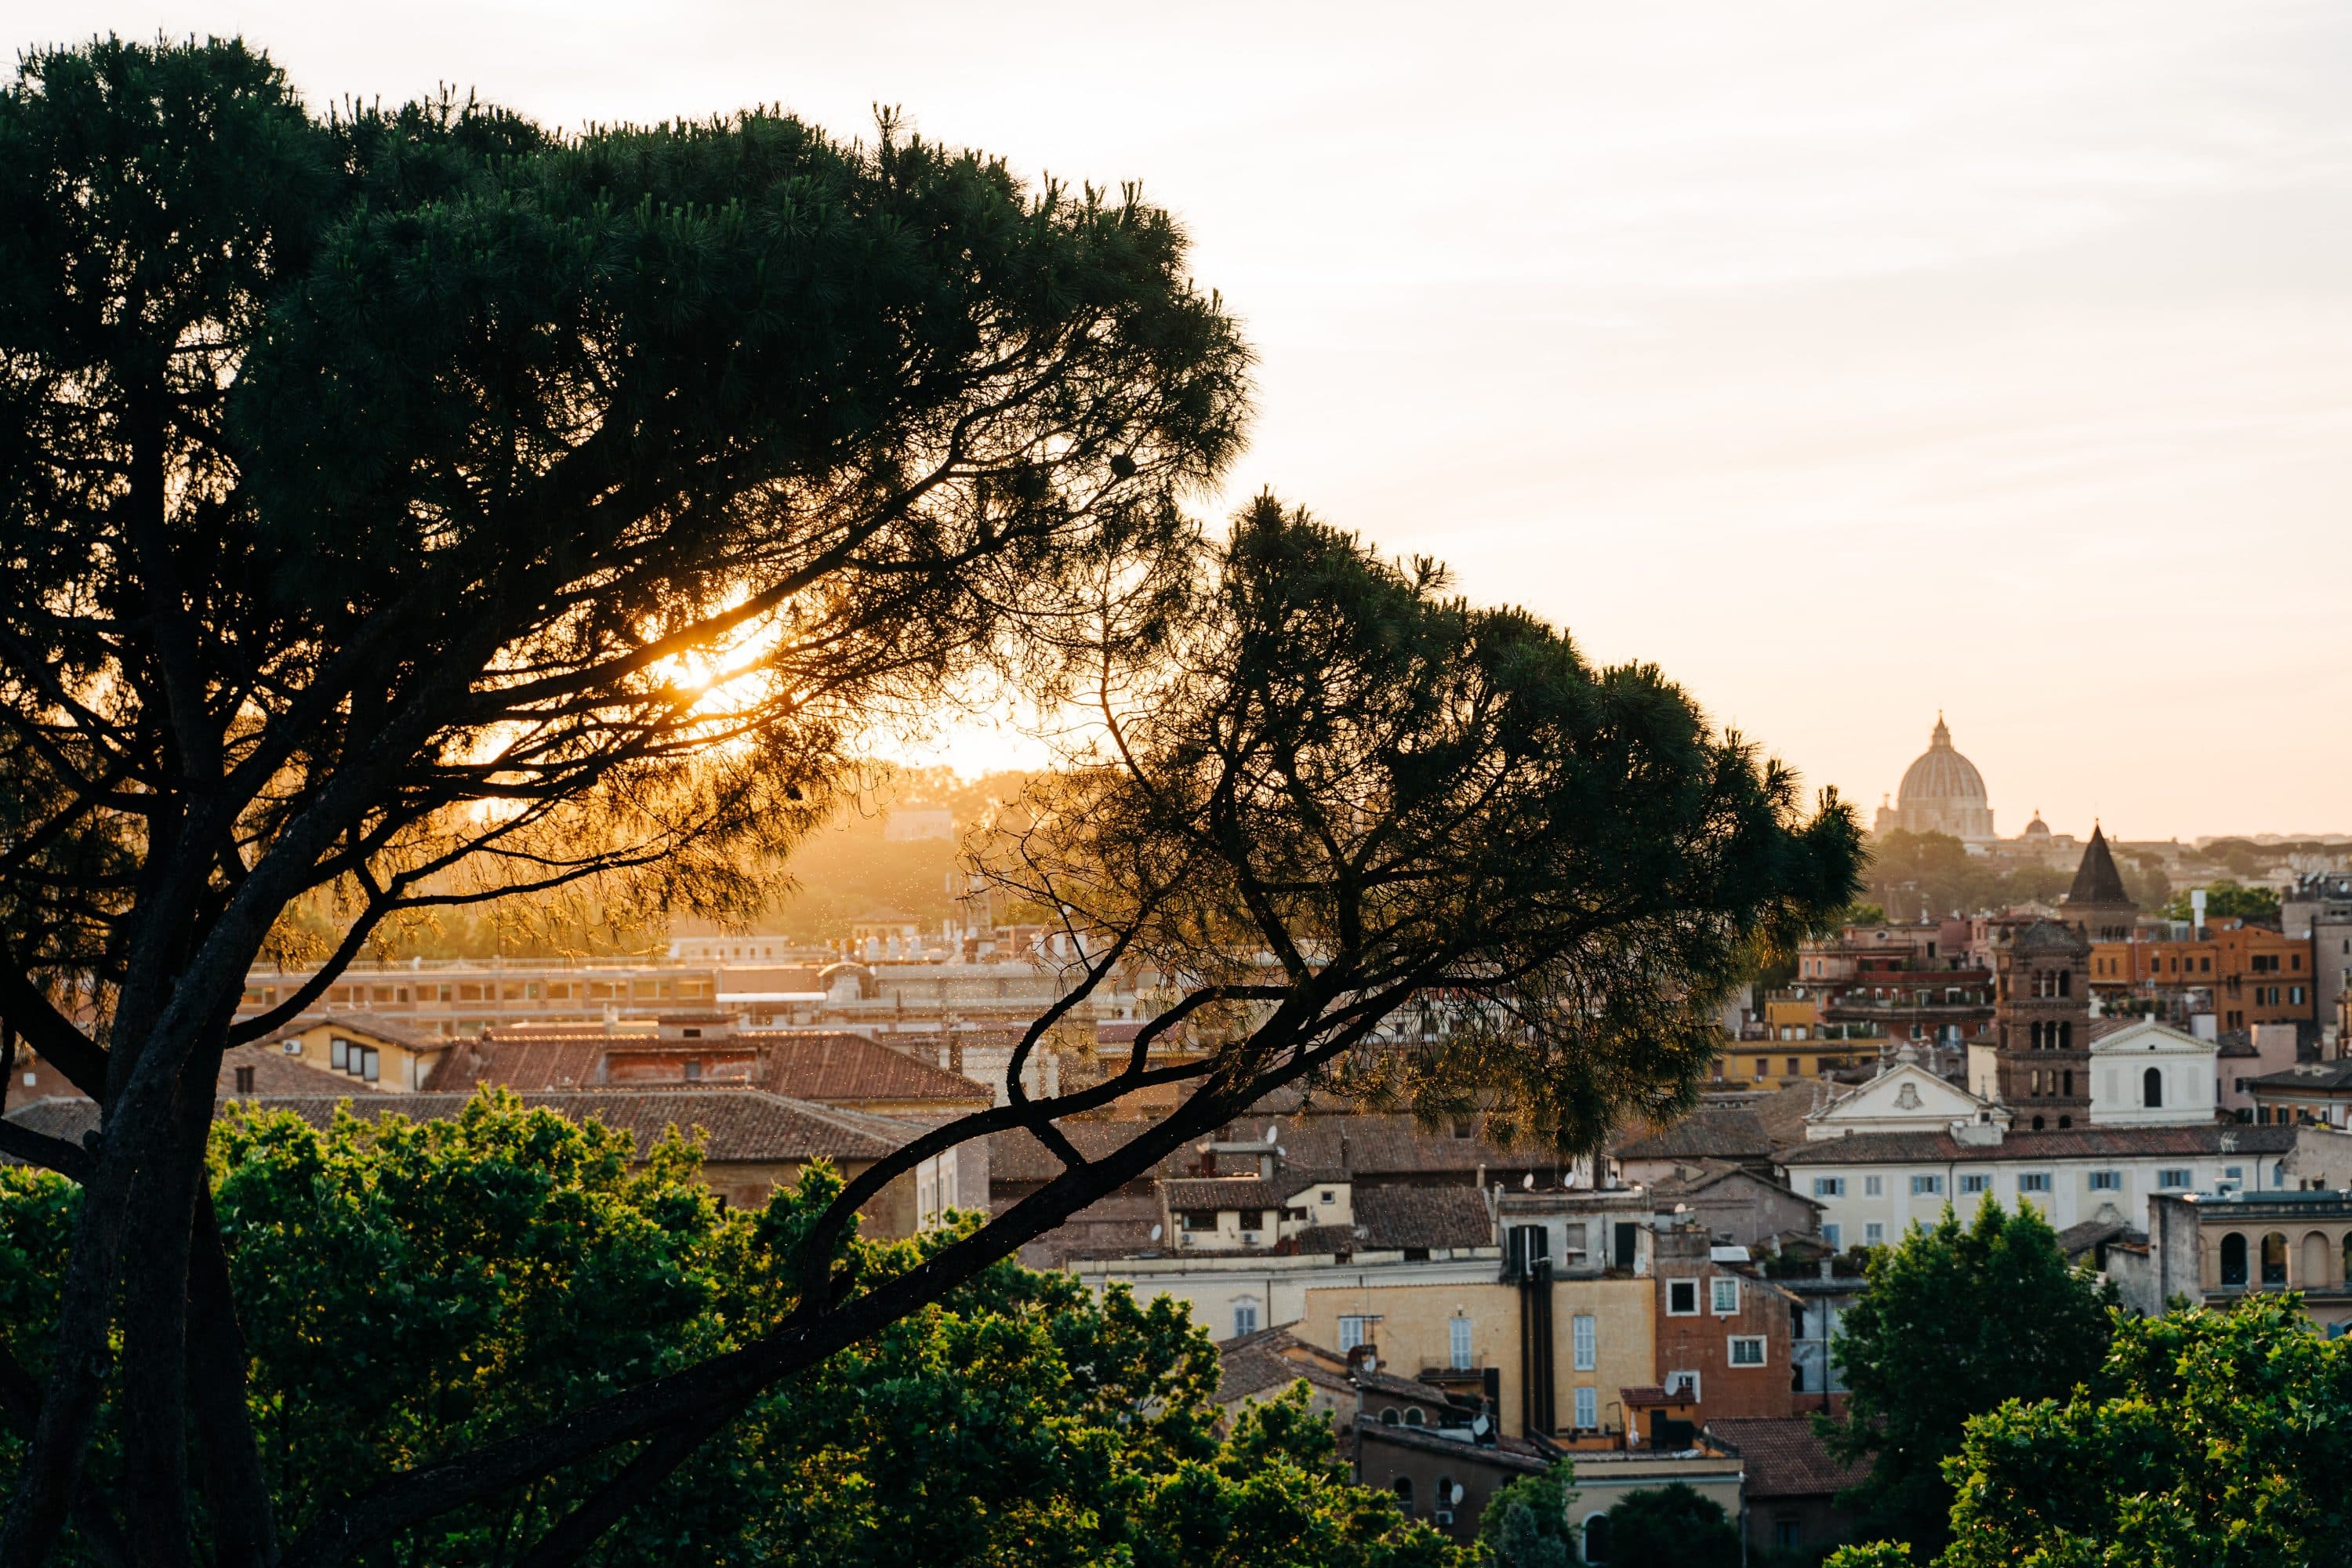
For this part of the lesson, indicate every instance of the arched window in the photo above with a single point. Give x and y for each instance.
(2312, 1267)
(2233, 1259)
(2069, 1077)
(2151, 1088)
(2037, 1124)
(2033, 1037)
(2346, 1259)
(1415, 1416)
(2065, 1036)
(1442, 1499)
(2275, 1258)
(1404, 1495)
(2066, 1121)
(1596, 1538)
(2065, 983)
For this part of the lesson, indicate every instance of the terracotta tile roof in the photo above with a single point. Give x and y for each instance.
(1783, 1458)
(66, 1117)
(398, 1032)
(526, 1060)
(1514, 1453)
(275, 1072)
(1198, 1195)
(1368, 1146)
(2073, 1143)
(1704, 1134)
(1254, 1364)
(1783, 1112)
(831, 1067)
(1422, 1217)
(2316, 1078)
(2076, 1240)
(837, 1066)
(1396, 1387)
(1016, 1157)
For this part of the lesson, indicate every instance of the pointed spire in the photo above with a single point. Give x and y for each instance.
(2097, 881)
(1941, 737)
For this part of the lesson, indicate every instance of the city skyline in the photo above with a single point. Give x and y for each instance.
(1846, 362)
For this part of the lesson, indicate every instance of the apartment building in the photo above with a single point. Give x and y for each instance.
(1871, 1187)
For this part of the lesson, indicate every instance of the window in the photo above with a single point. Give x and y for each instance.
(1587, 1340)
(339, 1055)
(245, 1081)
(1927, 1186)
(1414, 1415)
(1873, 1186)
(1457, 1343)
(1975, 1182)
(1748, 1350)
(1404, 1495)
(1682, 1385)
(1830, 1234)
(1874, 1235)
(2176, 1176)
(2107, 1181)
(1351, 1332)
(2033, 1181)
(1725, 1299)
(1596, 1538)
(1682, 1298)
(2151, 1088)
(1245, 1316)
(1588, 1409)
(1442, 1499)
(1829, 1186)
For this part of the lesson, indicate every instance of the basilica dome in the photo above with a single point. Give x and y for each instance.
(1942, 792)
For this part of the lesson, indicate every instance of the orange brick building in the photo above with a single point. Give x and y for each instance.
(2243, 974)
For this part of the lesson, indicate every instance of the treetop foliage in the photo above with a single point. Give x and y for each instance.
(2213, 1437)
(417, 1288)
(2226, 898)
(1990, 1304)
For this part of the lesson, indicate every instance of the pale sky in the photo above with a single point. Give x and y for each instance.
(1847, 360)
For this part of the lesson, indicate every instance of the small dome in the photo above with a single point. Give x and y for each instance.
(1942, 775)
(2037, 829)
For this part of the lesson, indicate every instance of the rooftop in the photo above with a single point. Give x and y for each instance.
(2072, 1143)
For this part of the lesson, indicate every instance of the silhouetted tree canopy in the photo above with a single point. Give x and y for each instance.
(416, 1289)
(417, 508)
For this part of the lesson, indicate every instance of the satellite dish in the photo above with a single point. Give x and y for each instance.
(1478, 1425)
(1456, 1498)
(1528, 1181)
(1269, 1134)
(1155, 1232)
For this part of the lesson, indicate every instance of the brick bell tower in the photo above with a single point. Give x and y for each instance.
(2041, 1027)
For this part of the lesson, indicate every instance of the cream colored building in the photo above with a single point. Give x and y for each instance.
(376, 1053)
(1453, 1318)
(2146, 1074)
(1872, 1185)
